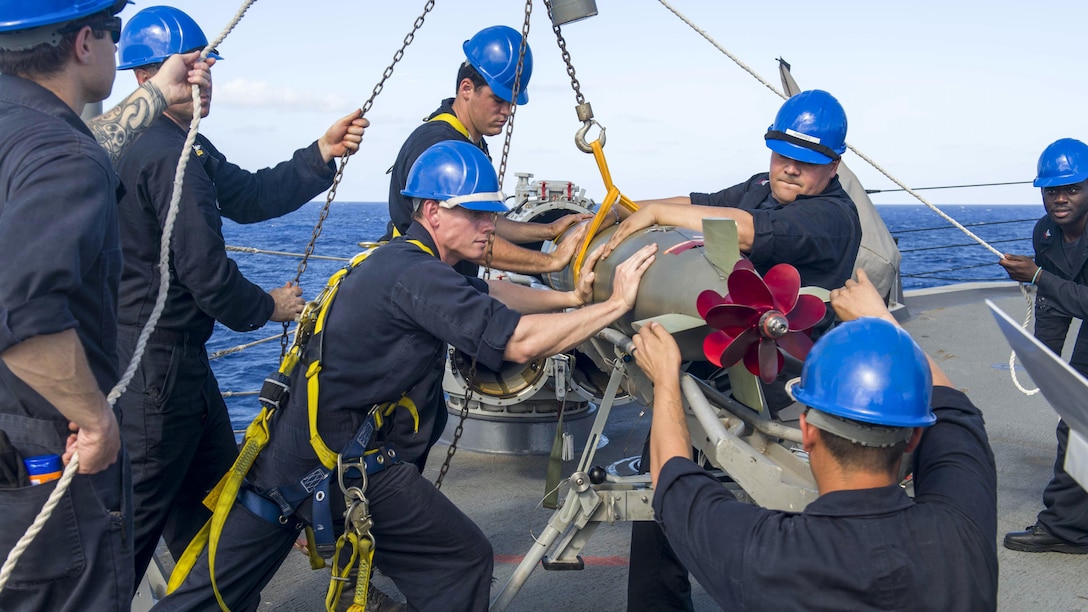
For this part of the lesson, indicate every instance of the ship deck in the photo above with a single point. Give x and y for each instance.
(502, 494)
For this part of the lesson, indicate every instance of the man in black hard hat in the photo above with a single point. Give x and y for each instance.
(58, 294)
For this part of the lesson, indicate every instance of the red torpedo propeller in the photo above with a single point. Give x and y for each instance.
(758, 317)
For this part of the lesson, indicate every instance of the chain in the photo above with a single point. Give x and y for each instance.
(516, 90)
(575, 85)
(460, 424)
(331, 195)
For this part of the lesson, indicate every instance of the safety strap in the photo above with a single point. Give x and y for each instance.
(452, 119)
(274, 395)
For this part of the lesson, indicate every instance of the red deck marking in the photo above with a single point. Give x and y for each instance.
(614, 561)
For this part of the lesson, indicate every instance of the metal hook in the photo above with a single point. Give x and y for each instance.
(580, 135)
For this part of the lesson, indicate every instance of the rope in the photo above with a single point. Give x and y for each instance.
(164, 285)
(1012, 356)
(872, 191)
(256, 251)
(872, 163)
(242, 347)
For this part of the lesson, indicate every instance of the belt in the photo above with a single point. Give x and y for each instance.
(265, 508)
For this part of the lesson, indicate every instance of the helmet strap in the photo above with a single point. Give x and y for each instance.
(802, 142)
(865, 434)
(488, 196)
(22, 40)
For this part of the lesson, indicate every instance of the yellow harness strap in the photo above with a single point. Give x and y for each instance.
(452, 119)
(221, 499)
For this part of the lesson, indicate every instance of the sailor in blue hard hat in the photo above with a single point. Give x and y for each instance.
(1059, 271)
(154, 34)
(176, 426)
(796, 213)
(864, 544)
(385, 339)
(493, 77)
(58, 297)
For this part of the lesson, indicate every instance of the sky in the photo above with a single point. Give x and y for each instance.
(938, 93)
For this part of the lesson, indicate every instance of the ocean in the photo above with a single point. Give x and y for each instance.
(934, 253)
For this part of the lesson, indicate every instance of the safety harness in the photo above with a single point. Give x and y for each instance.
(456, 124)
(279, 504)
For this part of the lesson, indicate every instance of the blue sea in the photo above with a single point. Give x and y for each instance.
(934, 253)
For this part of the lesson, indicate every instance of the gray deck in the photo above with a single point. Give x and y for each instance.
(501, 493)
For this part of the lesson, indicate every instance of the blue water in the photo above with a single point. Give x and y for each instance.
(934, 254)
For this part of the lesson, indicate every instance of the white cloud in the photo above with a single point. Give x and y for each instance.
(245, 93)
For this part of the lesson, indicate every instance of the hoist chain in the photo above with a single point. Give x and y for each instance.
(566, 57)
(469, 381)
(460, 424)
(516, 90)
(331, 195)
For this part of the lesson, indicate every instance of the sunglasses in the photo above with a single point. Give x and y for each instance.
(108, 24)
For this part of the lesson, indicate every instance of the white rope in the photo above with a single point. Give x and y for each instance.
(164, 285)
(242, 347)
(879, 168)
(1012, 356)
(256, 251)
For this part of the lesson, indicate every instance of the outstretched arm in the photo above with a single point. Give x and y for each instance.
(344, 136)
(683, 215)
(859, 298)
(506, 255)
(121, 125)
(541, 335)
(657, 354)
(520, 232)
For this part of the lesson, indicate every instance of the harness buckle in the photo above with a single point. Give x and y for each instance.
(342, 466)
(357, 519)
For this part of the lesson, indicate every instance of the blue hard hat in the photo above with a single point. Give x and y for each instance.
(156, 33)
(1064, 162)
(24, 14)
(493, 52)
(456, 173)
(868, 370)
(810, 127)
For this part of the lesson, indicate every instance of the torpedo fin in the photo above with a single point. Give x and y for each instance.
(721, 245)
(819, 292)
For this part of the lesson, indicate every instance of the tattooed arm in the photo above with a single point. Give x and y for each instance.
(172, 84)
(119, 126)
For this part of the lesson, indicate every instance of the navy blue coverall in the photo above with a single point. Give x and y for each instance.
(386, 335)
(820, 236)
(868, 549)
(1063, 294)
(176, 425)
(62, 260)
(427, 134)
(430, 132)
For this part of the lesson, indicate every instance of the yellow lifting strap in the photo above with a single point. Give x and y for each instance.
(362, 551)
(452, 119)
(610, 200)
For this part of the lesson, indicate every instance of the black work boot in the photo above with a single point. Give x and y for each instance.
(1037, 538)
